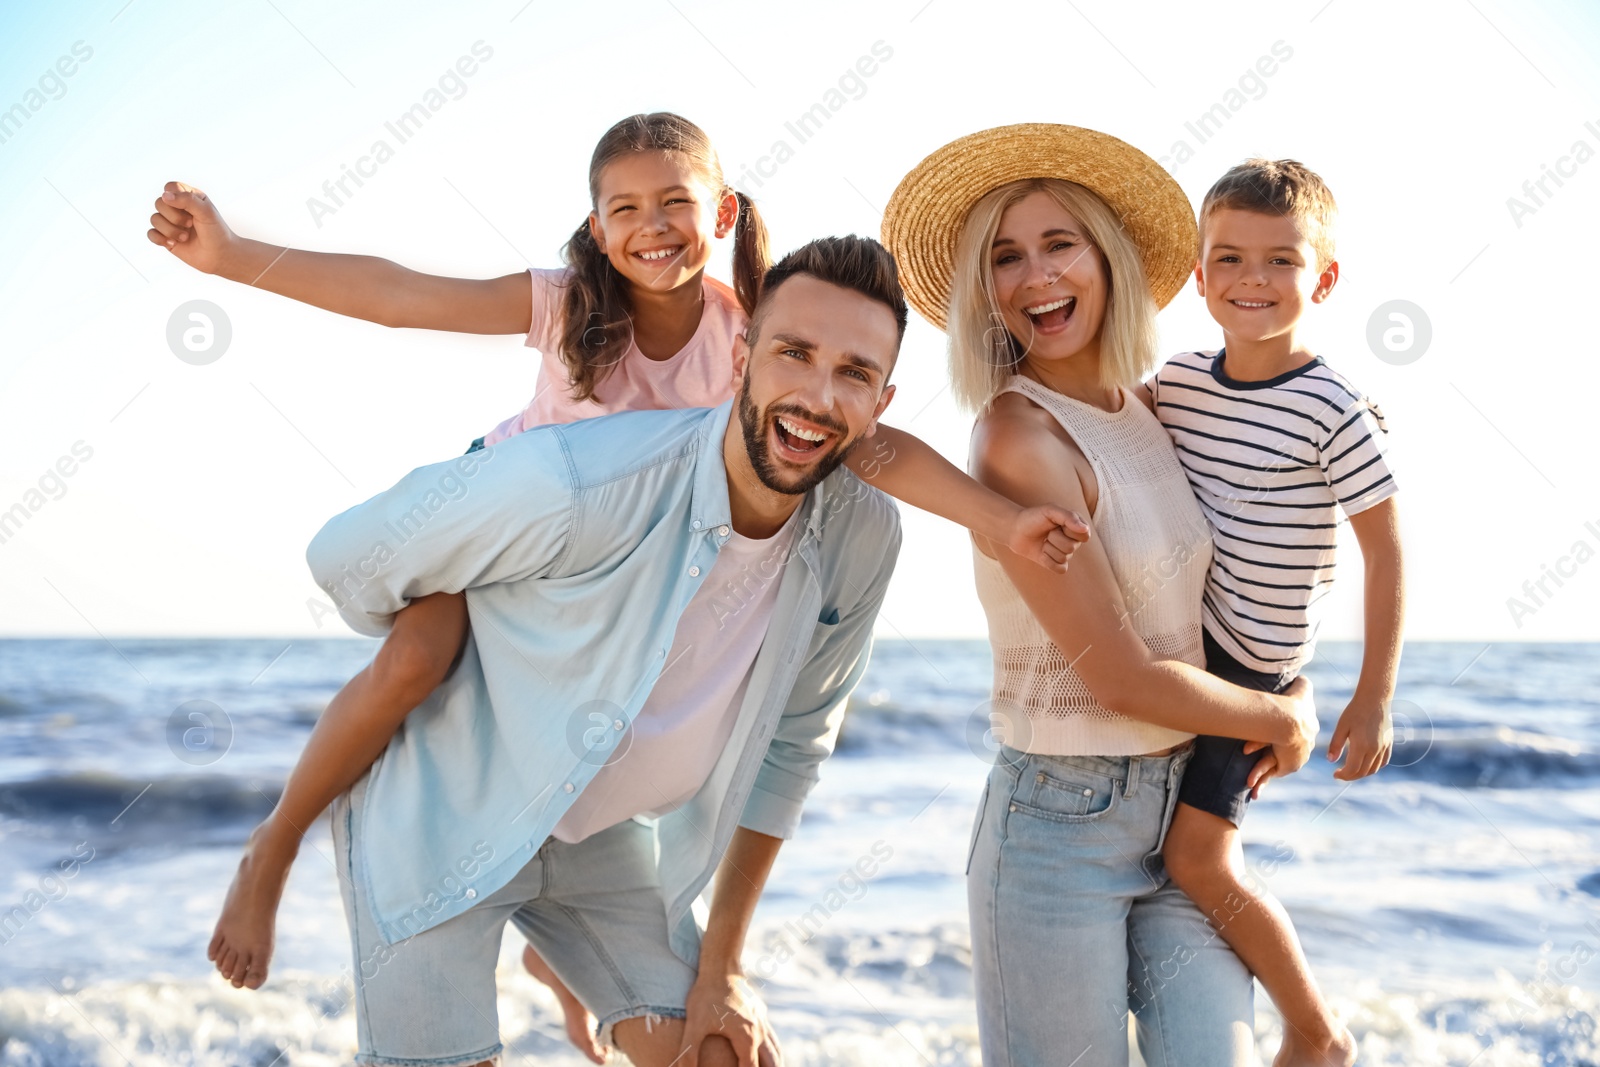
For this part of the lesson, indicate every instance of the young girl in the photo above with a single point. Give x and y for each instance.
(630, 322)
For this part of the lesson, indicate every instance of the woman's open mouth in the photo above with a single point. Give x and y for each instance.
(1054, 316)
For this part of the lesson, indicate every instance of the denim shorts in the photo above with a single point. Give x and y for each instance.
(593, 910)
(1075, 923)
(1218, 778)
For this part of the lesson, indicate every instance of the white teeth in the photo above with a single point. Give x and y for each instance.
(662, 254)
(794, 431)
(1253, 303)
(1043, 308)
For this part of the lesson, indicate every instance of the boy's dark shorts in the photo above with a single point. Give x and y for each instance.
(1218, 774)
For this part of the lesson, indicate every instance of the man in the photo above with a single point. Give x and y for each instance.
(668, 611)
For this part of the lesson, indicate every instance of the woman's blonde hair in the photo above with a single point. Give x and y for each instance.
(983, 353)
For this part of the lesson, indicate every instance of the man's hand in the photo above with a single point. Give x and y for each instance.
(726, 1005)
(1047, 535)
(1365, 728)
(187, 223)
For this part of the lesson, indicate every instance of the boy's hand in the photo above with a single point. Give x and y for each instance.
(186, 223)
(1048, 535)
(1264, 770)
(1287, 757)
(1366, 730)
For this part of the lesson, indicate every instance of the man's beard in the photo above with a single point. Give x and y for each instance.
(756, 446)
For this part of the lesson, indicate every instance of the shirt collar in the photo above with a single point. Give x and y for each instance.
(709, 507)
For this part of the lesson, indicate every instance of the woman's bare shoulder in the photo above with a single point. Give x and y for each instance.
(1013, 428)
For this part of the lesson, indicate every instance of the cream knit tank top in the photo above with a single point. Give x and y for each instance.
(1159, 545)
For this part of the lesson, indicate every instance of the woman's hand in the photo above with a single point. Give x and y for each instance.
(1289, 755)
(187, 224)
(1048, 535)
(726, 1006)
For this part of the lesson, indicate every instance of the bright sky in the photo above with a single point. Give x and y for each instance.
(203, 483)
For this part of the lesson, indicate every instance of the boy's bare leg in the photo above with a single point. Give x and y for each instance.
(579, 1023)
(1204, 857)
(352, 732)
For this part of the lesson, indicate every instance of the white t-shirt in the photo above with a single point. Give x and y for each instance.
(679, 734)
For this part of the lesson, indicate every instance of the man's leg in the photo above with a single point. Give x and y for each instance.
(600, 925)
(428, 1000)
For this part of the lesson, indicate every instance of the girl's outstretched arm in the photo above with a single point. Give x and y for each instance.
(910, 470)
(188, 224)
(352, 732)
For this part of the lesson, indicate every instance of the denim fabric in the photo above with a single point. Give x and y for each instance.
(593, 910)
(1074, 923)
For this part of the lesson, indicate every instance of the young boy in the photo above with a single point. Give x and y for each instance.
(1278, 447)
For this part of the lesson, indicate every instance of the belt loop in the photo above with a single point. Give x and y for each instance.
(1130, 786)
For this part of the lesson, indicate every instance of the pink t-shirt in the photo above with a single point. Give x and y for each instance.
(699, 375)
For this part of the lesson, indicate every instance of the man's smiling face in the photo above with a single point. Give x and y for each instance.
(815, 365)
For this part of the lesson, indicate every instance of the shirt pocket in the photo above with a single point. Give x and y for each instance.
(1065, 794)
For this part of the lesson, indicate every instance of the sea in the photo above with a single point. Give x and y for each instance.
(1450, 905)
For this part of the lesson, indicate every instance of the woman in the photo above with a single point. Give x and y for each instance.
(1050, 248)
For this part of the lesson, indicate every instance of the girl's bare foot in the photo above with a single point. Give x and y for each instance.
(1298, 1050)
(241, 947)
(580, 1024)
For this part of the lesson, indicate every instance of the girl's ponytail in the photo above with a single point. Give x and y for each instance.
(751, 254)
(596, 327)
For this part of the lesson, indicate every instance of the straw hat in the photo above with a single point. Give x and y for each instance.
(929, 206)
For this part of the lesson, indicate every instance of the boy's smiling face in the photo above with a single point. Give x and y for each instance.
(1259, 273)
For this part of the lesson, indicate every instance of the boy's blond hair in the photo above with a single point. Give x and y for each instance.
(1284, 187)
(983, 354)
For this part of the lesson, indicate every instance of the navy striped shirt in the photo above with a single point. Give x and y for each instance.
(1276, 466)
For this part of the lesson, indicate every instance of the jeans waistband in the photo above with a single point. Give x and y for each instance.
(1155, 769)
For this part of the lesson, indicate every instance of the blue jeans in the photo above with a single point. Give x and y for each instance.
(1074, 923)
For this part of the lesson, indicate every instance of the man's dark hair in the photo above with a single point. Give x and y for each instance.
(850, 262)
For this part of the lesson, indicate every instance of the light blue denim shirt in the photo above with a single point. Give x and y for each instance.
(578, 547)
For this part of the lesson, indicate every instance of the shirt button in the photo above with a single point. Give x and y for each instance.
(1013, 807)
(722, 531)
(472, 894)
(696, 524)
(567, 787)
(1088, 792)
(694, 572)
(617, 724)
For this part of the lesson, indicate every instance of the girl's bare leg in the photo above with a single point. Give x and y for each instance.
(1204, 857)
(352, 732)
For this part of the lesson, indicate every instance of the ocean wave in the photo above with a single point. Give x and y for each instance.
(1497, 758)
(1465, 756)
(98, 797)
(847, 999)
